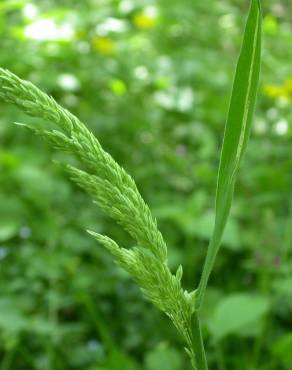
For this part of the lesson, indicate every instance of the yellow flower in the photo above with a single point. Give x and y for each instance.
(278, 91)
(144, 21)
(103, 45)
(272, 91)
(288, 85)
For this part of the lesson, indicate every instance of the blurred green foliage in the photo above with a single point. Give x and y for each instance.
(152, 80)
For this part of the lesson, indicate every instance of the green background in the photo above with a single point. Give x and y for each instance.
(152, 80)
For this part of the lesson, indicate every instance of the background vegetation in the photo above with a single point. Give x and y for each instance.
(152, 80)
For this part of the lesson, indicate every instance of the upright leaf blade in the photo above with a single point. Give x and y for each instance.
(237, 130)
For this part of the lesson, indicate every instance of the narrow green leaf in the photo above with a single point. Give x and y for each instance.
(237, 132)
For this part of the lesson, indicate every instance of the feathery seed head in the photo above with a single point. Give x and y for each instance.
(113, 190)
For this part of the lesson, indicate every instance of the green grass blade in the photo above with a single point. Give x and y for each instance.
(236, 134)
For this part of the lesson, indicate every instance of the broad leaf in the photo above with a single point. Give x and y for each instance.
(234, 313)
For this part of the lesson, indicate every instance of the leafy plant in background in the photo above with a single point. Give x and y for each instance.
(116, 193)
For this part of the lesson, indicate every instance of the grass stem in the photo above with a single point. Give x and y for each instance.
(199, 350)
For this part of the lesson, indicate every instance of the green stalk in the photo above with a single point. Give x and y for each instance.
(199, 350)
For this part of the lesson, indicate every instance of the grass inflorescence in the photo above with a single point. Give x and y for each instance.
(116, 193)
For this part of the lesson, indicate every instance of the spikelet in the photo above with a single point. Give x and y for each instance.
(116, 193)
